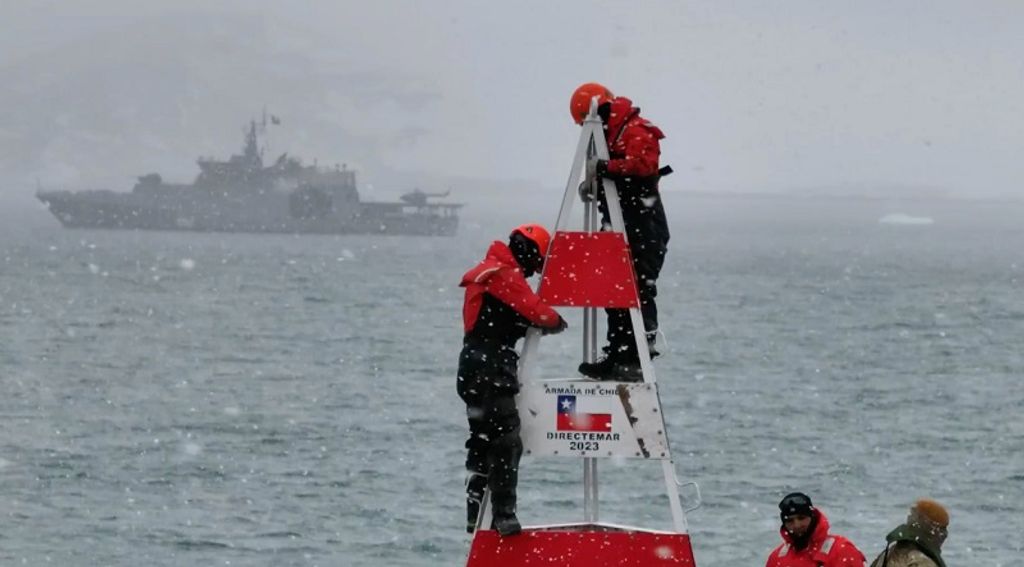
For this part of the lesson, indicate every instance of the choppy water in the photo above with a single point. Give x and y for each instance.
(197, 399)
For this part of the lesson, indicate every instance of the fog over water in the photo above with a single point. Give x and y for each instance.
(865, 97)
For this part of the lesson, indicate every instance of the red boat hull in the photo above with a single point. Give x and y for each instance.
(581, 546)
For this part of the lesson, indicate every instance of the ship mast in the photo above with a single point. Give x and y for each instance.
(252, 151)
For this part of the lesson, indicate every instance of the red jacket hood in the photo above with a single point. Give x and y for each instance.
(820, 530)
(622, 111)
(498, 256)
(500, 276)
(502, 253)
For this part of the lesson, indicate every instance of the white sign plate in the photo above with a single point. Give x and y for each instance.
(585, 418)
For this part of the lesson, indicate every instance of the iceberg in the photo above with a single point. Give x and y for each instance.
(904, 219)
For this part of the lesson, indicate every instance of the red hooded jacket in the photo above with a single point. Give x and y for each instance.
(633, 142)
(500, 276)
(824, 549)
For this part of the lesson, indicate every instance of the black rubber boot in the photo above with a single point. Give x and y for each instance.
(475, 485)
(507, 525)
(652, 342)
(472, 513)
(505, 520)
(613, 368)
(603, 367)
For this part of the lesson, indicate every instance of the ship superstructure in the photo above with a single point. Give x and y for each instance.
(242, 194)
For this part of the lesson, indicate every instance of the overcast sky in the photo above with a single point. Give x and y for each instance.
(753, 96)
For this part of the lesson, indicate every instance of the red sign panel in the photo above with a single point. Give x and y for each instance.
(589, 269)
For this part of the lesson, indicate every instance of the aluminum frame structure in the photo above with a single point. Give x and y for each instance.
(592, 146)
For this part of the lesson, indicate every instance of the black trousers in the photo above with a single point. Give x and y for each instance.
(647, 231)
(487, 382)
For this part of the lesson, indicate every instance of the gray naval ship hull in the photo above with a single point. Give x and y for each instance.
(251, 213)
(242, 194)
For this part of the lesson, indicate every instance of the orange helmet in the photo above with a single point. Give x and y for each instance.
(579, 104)
(537, 234)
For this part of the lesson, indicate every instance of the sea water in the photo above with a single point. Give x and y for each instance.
(229, 399)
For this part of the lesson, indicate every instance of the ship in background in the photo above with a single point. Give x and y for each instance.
(242, 194)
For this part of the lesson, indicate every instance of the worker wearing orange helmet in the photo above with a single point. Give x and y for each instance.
(499, 307)
(634, 151)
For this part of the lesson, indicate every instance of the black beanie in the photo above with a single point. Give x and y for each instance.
(795, 503)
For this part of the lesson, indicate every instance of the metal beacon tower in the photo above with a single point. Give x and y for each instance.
(584, 419)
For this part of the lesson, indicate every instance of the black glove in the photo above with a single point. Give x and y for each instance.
(562, 325)
(597, 168)
(586, 194)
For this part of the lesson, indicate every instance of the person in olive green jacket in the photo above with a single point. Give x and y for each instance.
(918, 542)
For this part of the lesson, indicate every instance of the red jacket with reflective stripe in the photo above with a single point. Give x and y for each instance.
(500, 276)
(824, 550)
(633, 142)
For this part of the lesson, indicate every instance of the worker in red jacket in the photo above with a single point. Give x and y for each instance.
(806, 541)
(499, 307)
(634, 150)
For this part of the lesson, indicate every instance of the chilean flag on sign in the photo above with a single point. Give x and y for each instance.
(571, 419)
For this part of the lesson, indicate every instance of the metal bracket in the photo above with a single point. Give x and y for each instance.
(699, 500)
